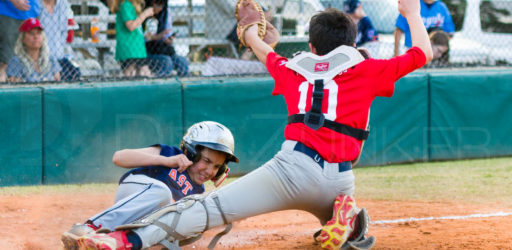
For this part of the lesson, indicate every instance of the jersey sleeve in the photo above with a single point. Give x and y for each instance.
(389, 71)
(448, 25)
(276, 66)
(127, 12)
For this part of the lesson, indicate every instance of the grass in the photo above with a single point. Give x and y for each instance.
(476, 181)
(480, 181)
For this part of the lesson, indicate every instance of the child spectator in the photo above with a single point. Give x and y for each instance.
(434, 14)
(440, 42)
(130, 46)
(365, 30)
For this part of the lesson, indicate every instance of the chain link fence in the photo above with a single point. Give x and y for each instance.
(89, 40)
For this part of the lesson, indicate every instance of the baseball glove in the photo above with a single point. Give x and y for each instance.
(271, 36)
(248, 13)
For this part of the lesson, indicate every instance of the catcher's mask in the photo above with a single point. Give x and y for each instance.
(212, 135)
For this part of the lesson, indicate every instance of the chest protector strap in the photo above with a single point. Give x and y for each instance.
(322, 69)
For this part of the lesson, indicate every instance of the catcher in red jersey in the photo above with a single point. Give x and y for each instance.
(328, 93)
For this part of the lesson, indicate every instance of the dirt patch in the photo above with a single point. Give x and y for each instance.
(36, 223)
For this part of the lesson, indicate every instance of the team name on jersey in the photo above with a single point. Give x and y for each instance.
(433, 21)
(181, 180)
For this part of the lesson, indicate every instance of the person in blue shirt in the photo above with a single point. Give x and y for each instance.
(12, 14)
(160, 175)
(365, 30)
(32, 60)
(435, 16)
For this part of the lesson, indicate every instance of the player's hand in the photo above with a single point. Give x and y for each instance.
(409, 7)
(251, 33)
(148, 12)
(179, 161)
(21, 4)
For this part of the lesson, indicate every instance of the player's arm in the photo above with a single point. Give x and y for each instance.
(356, 160)
(398, 35)
(150, 156)
(410, 9)
(133, 24)
(260, 48)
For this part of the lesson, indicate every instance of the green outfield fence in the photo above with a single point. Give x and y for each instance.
(55, 134)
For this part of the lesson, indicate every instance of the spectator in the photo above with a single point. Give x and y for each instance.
(440, 42)
(54, 19)
(365, 30)
(32, 61)
(130, 46)
(12, 14)
(159, 44)
(435, 15)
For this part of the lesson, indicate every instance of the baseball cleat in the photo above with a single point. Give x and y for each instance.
(70, 237)
(113, 241)
(336, 231)
(363, 244)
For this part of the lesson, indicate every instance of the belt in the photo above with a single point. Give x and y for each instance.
(342, 166)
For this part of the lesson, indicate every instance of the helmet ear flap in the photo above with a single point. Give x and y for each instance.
(190, 152)
(221, 175)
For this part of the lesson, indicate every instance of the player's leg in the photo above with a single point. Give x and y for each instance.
(136, 196)
(258, 192)
(291, 180)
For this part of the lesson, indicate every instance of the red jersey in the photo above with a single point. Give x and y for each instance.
(347, 99)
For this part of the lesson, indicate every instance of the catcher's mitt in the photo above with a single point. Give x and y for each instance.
(248, 13)
(271, 36)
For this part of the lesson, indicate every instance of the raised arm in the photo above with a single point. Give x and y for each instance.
(398, 36)
(22, 5)
(260, 48)
(150, 156)
(133, 24)
(410, 9)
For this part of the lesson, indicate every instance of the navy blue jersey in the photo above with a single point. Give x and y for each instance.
(180, 184)
(434, 16)
(366, 32)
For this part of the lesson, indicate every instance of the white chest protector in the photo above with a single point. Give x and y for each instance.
(319, 70)
(314, 67)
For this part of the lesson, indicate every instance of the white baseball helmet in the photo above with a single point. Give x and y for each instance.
(212, 135)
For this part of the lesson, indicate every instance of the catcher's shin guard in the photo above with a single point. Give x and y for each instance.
(174, 239)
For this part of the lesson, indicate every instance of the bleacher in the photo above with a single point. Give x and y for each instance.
(190, 45)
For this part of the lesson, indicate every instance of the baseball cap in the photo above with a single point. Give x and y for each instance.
(350, 6)
(29, 24)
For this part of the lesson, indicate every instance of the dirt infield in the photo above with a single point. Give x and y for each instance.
(36, 222)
